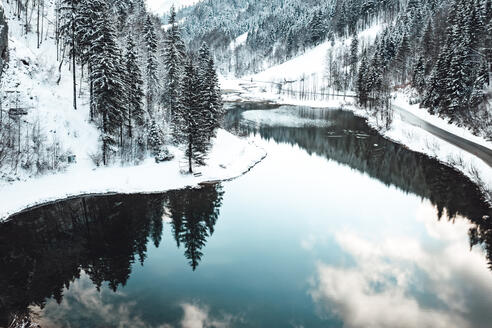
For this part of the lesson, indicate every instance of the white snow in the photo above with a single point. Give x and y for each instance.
(312, 62)
(239, 41)
(51, 105)
(160, 7)
(230, 157)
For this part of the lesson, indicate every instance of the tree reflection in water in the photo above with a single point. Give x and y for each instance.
(350, 141)
(43, 250)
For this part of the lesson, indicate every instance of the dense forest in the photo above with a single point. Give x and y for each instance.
(441, 49)
(146, 89)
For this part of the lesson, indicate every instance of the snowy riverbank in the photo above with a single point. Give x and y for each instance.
(415, 138)
(230, 157)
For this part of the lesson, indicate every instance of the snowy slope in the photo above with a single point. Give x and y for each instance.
(312, 62)
(34, 73)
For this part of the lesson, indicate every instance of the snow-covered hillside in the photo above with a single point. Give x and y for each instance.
(34, 83)
(309, 69)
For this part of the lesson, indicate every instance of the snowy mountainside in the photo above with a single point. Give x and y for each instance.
(31, 81)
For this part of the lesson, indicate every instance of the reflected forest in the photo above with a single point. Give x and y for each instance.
(44, 249)
(350, 141)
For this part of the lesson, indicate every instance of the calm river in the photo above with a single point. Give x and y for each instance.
(337, 227)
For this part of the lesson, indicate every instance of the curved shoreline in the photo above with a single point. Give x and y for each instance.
(252, 154)
(113, 193)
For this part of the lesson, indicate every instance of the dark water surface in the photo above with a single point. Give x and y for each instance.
(337, 227)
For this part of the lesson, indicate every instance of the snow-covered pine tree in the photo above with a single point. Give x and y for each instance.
(174, 55)
(150, 38)
(354, 58)
(316, 27)
(190, 125)
(69, 18)
(401, 59)
(134, 80)
(210, 95)
(362, 81)
(418, 78)
(107, 74)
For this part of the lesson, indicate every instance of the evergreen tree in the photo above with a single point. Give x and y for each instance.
(418, 79)
(69, 25)
(135, 84)
(174, 54)
(210, 94)
(150, 38)
(362, 81)
(317, 30)
(108, 81)
(402, 57)
(354, 57)
(188, 127)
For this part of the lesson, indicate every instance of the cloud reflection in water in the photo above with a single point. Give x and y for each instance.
(406, 282)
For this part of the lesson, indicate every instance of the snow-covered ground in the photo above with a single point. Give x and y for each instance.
(230, 157)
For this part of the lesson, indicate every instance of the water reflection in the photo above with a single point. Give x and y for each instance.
(401, 281)
(350, 141)
(42, 251)
(294, 245)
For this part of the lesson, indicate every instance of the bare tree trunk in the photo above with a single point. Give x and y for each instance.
(190, 154)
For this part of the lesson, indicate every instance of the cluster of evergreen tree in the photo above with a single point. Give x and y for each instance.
(140, 79)
(278, 29)
(192, 96)
(442, 49)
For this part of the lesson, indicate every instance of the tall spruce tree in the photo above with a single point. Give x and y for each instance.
(150, 38)
(69, 25)
(108, 81)
(354, 58)
(174, 55)
(135, 114)
(188, 123)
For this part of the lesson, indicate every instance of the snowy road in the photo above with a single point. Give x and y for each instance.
(480, 151)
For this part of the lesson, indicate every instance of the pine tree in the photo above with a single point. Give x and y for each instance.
(69, 25)
(418, 79)
(362, 81)
(135, 84)
(210, 94)
(174, 54)
(402, 57)
(150, 38)
(187, 124)
(108, 81)
(354, 57)
(316, 28)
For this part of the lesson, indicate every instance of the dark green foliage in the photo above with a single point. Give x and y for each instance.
(150, 38)
(174, 59)
(135, 114)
